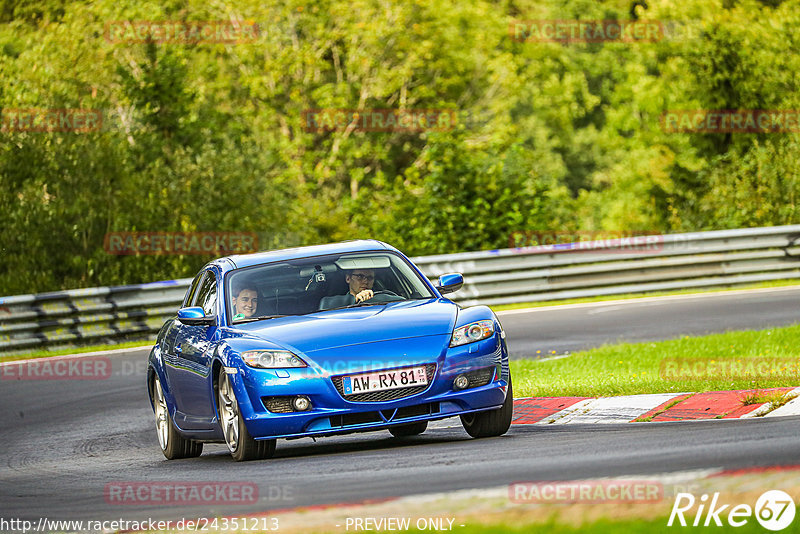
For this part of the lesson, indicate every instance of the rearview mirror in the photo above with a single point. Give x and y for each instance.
(448, 283)
(363, 262)
(195, 316)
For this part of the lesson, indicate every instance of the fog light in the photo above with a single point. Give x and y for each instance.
(301, 403)
(461, 382)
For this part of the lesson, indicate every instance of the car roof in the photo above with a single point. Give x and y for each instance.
(246, 260)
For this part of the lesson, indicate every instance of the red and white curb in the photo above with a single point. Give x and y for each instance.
(606, 409)
(659, 407)
(790, 408)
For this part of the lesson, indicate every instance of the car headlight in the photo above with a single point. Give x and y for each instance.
(272, 359)
(472, 332)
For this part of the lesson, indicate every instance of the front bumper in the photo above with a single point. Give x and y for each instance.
(332, 413)
(303, 424)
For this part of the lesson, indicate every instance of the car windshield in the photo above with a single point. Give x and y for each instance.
(308, 285)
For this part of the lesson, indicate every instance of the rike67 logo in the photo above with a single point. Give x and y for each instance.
(774, 510)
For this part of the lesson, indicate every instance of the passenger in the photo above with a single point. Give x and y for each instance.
(245, 302)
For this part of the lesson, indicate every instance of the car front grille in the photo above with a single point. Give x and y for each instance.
(386, 394)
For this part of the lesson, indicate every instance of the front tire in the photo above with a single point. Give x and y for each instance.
(241, 444)
(492, 423)
(411, 429)
(173, 445)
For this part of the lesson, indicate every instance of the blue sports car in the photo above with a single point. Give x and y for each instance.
(323, 340)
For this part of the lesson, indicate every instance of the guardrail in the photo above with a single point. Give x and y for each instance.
(504, 276)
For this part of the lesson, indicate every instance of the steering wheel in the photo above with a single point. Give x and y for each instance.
(382, 292)
(388, 293)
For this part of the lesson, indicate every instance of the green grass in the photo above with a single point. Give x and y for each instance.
(635, 368)
(627, 296)
(73, 350)
(775, 398)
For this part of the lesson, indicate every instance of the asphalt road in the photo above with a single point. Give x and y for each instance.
(64, 441)
(582, 326)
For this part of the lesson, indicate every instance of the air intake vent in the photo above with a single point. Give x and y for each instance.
(278, 404)
(480, 377)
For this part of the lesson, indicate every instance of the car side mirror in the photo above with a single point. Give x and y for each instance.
(448, 283)
(195, 316)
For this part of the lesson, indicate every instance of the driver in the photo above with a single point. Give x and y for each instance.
(360, 282)
(245, 302)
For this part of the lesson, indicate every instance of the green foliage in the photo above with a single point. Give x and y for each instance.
(550, 136)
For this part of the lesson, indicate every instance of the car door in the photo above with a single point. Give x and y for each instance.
(195, 357)
(173, 342)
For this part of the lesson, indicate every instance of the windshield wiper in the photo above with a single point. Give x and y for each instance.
(251, 319)
(356, 305)
(359, 304)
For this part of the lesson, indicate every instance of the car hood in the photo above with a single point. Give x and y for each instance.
(353, 326)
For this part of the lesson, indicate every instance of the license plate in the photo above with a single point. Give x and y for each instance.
(382, 380)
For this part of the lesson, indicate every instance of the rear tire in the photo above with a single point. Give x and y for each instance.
(492, 423)
(411, 429)
(241, 444)
(173, 445)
